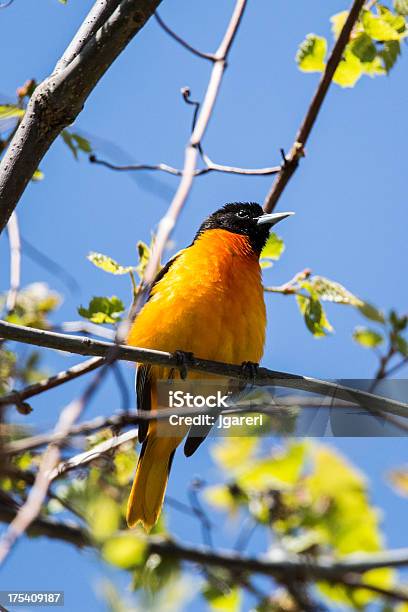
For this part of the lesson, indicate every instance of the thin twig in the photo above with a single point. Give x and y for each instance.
(210, 167)
(181, 41)
(16, 397)
(186, 93)
(298, 147)
(82, 459)
(116, 422)
(15, 262)
(264, 376)
(58, 100)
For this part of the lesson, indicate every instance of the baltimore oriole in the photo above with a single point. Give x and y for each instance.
(207, 300)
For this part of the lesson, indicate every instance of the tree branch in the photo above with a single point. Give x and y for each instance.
(82, 459)
(16, 397)
(264, 376)
(60, 98)
(297, 150)
(283, 567)
(55, 530)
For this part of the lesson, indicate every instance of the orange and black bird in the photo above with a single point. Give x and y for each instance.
(207, 300)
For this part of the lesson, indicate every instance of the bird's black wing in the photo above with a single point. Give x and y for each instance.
(143, 381)
(196, 436)
(198, 433)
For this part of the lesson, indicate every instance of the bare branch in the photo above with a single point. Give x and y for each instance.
(79, 461)
(97, 16)
(297, 150)
(16, 397)
(181, 41)
(60, 98)
(264, 376)
(55, 530)
(210, 167)
(27, 444)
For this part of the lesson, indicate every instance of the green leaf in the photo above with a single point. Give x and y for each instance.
(349, 70)
(273, 248)
(76, 143)
(10, 111)
(367, 337)
(82, 143)
(384, 26)
(311, 53)
(281, 471)
(103, 310)
(107, 264)
(144, 252)
(402, 345)
(401, 7)
(389, 53)
(314, 315)
(330, 291)
(363, 48)
(125, 550)
(371, 312)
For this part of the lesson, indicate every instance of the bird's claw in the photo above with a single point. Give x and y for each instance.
(249, 370)
(183, 358)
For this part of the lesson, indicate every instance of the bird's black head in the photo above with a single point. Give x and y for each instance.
(245, 218)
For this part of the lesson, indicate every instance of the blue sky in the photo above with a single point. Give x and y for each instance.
(349, 196)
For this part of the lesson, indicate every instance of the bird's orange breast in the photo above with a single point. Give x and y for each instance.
(209, 302)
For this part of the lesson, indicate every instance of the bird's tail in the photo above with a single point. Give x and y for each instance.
(150, 482)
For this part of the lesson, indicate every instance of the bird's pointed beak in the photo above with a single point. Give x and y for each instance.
(273, 218)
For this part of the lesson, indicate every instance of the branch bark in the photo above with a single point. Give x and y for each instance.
(284, 567)
(264, 376)
(297, 150)
(58, 100)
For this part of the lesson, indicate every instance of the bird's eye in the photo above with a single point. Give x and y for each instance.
(242, 214)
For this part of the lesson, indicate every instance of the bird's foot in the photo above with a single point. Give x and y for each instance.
(249, 370)
(183, 358)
